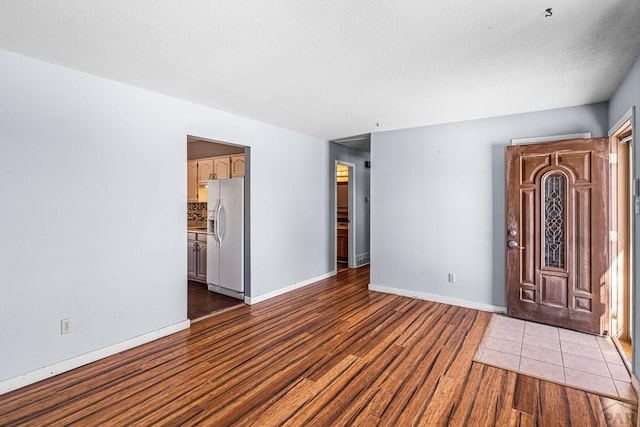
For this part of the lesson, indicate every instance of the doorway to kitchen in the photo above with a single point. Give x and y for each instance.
(345, 215)
(217, 226)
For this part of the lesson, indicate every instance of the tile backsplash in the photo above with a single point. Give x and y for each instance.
(196, 212)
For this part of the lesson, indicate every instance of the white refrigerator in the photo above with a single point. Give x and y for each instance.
(225, 237)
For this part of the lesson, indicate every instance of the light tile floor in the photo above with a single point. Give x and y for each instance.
(575, 359)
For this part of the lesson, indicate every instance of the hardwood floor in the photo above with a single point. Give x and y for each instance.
(332, 353)
(201, 302)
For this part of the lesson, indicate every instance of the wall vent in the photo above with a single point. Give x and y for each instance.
(362, 260)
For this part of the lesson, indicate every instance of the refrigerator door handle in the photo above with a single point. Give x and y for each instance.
(218, 210)
(214, 224)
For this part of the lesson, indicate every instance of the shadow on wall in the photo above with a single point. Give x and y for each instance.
(498, 224)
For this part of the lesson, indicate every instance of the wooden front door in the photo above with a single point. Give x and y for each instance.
(557, 233)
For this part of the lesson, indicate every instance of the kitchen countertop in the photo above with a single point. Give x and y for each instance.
(196, 231)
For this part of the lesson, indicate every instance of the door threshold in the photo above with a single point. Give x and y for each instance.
(215, 313)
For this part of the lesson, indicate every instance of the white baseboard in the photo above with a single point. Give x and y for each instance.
(75, 362)
(277, 292)
(439, 298)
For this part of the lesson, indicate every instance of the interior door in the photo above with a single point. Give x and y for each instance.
(557, 233)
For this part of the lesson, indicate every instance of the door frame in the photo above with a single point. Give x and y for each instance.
(624, 124)
(351, 189)
(247, 208)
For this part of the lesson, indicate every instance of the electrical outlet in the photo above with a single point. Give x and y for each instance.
(452, 278)
(65, 326)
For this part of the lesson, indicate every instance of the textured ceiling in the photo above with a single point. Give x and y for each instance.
(334, 68)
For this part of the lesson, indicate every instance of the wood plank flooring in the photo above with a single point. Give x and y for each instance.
(330, 354)
(201, 302)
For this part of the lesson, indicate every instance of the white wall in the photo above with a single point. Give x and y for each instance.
(437, 202)
(93, 209)
(362, 180)
(626, 96)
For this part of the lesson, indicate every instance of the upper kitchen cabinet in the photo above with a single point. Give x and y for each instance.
(202, 170)
(205, 170)
(221, 167)
(237, 165)
(192, 181)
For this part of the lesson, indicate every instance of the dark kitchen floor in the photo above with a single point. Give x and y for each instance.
(202, 303)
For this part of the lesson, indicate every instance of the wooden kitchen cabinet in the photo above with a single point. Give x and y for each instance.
(342, 245)
(205, 170)
(202, 170)
(192, 181)
(201, 273)
(237, 165)
(197, 257)
(192, 266)
(221, 167)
